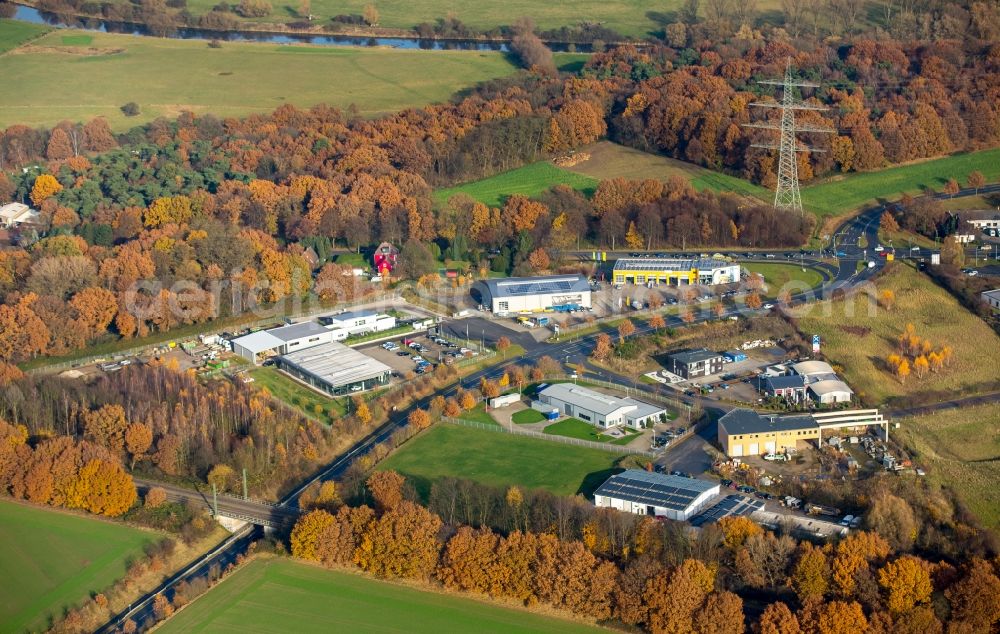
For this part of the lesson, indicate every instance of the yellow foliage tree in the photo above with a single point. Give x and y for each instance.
(44, 188)
(632, 238)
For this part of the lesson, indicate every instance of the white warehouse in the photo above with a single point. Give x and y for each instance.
(359, 322)
(259, 345)
(597, 408)
(519, 294)
(656, 494)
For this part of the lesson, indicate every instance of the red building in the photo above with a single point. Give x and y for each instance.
(385, 258)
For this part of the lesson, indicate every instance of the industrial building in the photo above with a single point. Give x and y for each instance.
(262, 344)
(335, 369)
(529, 294)
(656, 494)
(15, 214)
(597, 408)
(675, 272)
(791, 387)
(359, 322)
(744, 432)
(821, 382)
(695, 363)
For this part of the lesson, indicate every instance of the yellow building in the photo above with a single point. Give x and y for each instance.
(675, 272)
(744, 432)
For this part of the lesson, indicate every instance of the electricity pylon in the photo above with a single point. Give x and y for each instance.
(786, 195)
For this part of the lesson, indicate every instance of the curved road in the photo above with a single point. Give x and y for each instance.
(845, 275)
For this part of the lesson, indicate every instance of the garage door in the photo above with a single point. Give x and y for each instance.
(737, 450)
(754, 449)
(769, 447)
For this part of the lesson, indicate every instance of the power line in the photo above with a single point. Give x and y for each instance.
(786, 194)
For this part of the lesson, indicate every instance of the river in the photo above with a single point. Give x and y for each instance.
(30, 14)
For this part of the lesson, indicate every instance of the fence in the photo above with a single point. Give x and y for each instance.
(541, 436)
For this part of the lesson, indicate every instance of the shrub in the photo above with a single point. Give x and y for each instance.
(131, 109)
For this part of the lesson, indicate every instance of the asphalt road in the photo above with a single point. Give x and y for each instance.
(844, 276)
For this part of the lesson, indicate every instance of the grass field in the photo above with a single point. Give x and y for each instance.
(576, 428)
(479, 415)
(499, 459)
(281, 595)
(607, 160)
(610, 160)
(858, 335)
(527, 416)
(14, 33)
(89, 78)
(961, 449)
(298, 396)
(54, 560)
(776, 276)
(530, 180)
(855, 190)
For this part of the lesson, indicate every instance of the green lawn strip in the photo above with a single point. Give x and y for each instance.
(778, 275)
(282, 595)
(850, 192)
(14, 33)
(167, 76)
(479, 414)
(500, 459)
(55, 560)
(527, 416)
(372, 336)
(576, 428)
(530, 180)
(298, 396)
(356, 260)
(719, 182)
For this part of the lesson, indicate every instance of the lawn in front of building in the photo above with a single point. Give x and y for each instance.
(576, 428)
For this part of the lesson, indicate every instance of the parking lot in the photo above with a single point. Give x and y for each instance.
(416, 353)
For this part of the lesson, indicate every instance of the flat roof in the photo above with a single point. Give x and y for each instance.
(336, 364)
(585, 398)
(670, 265)
(643, 409)
(541, 285)
(655, 489)
(693, 356)
(297, 331)
(746, 421)
(354, 314)
(257, 342)
(994, 294)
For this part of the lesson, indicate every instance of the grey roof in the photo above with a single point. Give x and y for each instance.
(746, 421)
(354, 314)
(669, 264)
(994, 294)
(694, 356)
(812, 367)
(588, 399)
(257, 342)
(336, 364)
(643, 409)
(784, 382)
(542, 285)
(297, 331)
(655, 489)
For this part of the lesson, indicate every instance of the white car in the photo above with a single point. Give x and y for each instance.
(879, 249)
(914, 248)
(767, 306)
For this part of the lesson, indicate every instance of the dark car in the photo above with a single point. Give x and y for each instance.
(762, 495)
(725, 482)
(402, 353)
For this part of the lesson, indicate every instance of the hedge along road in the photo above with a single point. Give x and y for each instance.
(865, 223)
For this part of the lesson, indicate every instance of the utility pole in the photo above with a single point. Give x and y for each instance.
(786, 194)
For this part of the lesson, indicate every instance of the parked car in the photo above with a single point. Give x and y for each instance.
(847, 520)
(725, 482)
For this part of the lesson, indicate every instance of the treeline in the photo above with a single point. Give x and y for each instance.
(61, 471)
(166, 423)
(695, 584)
